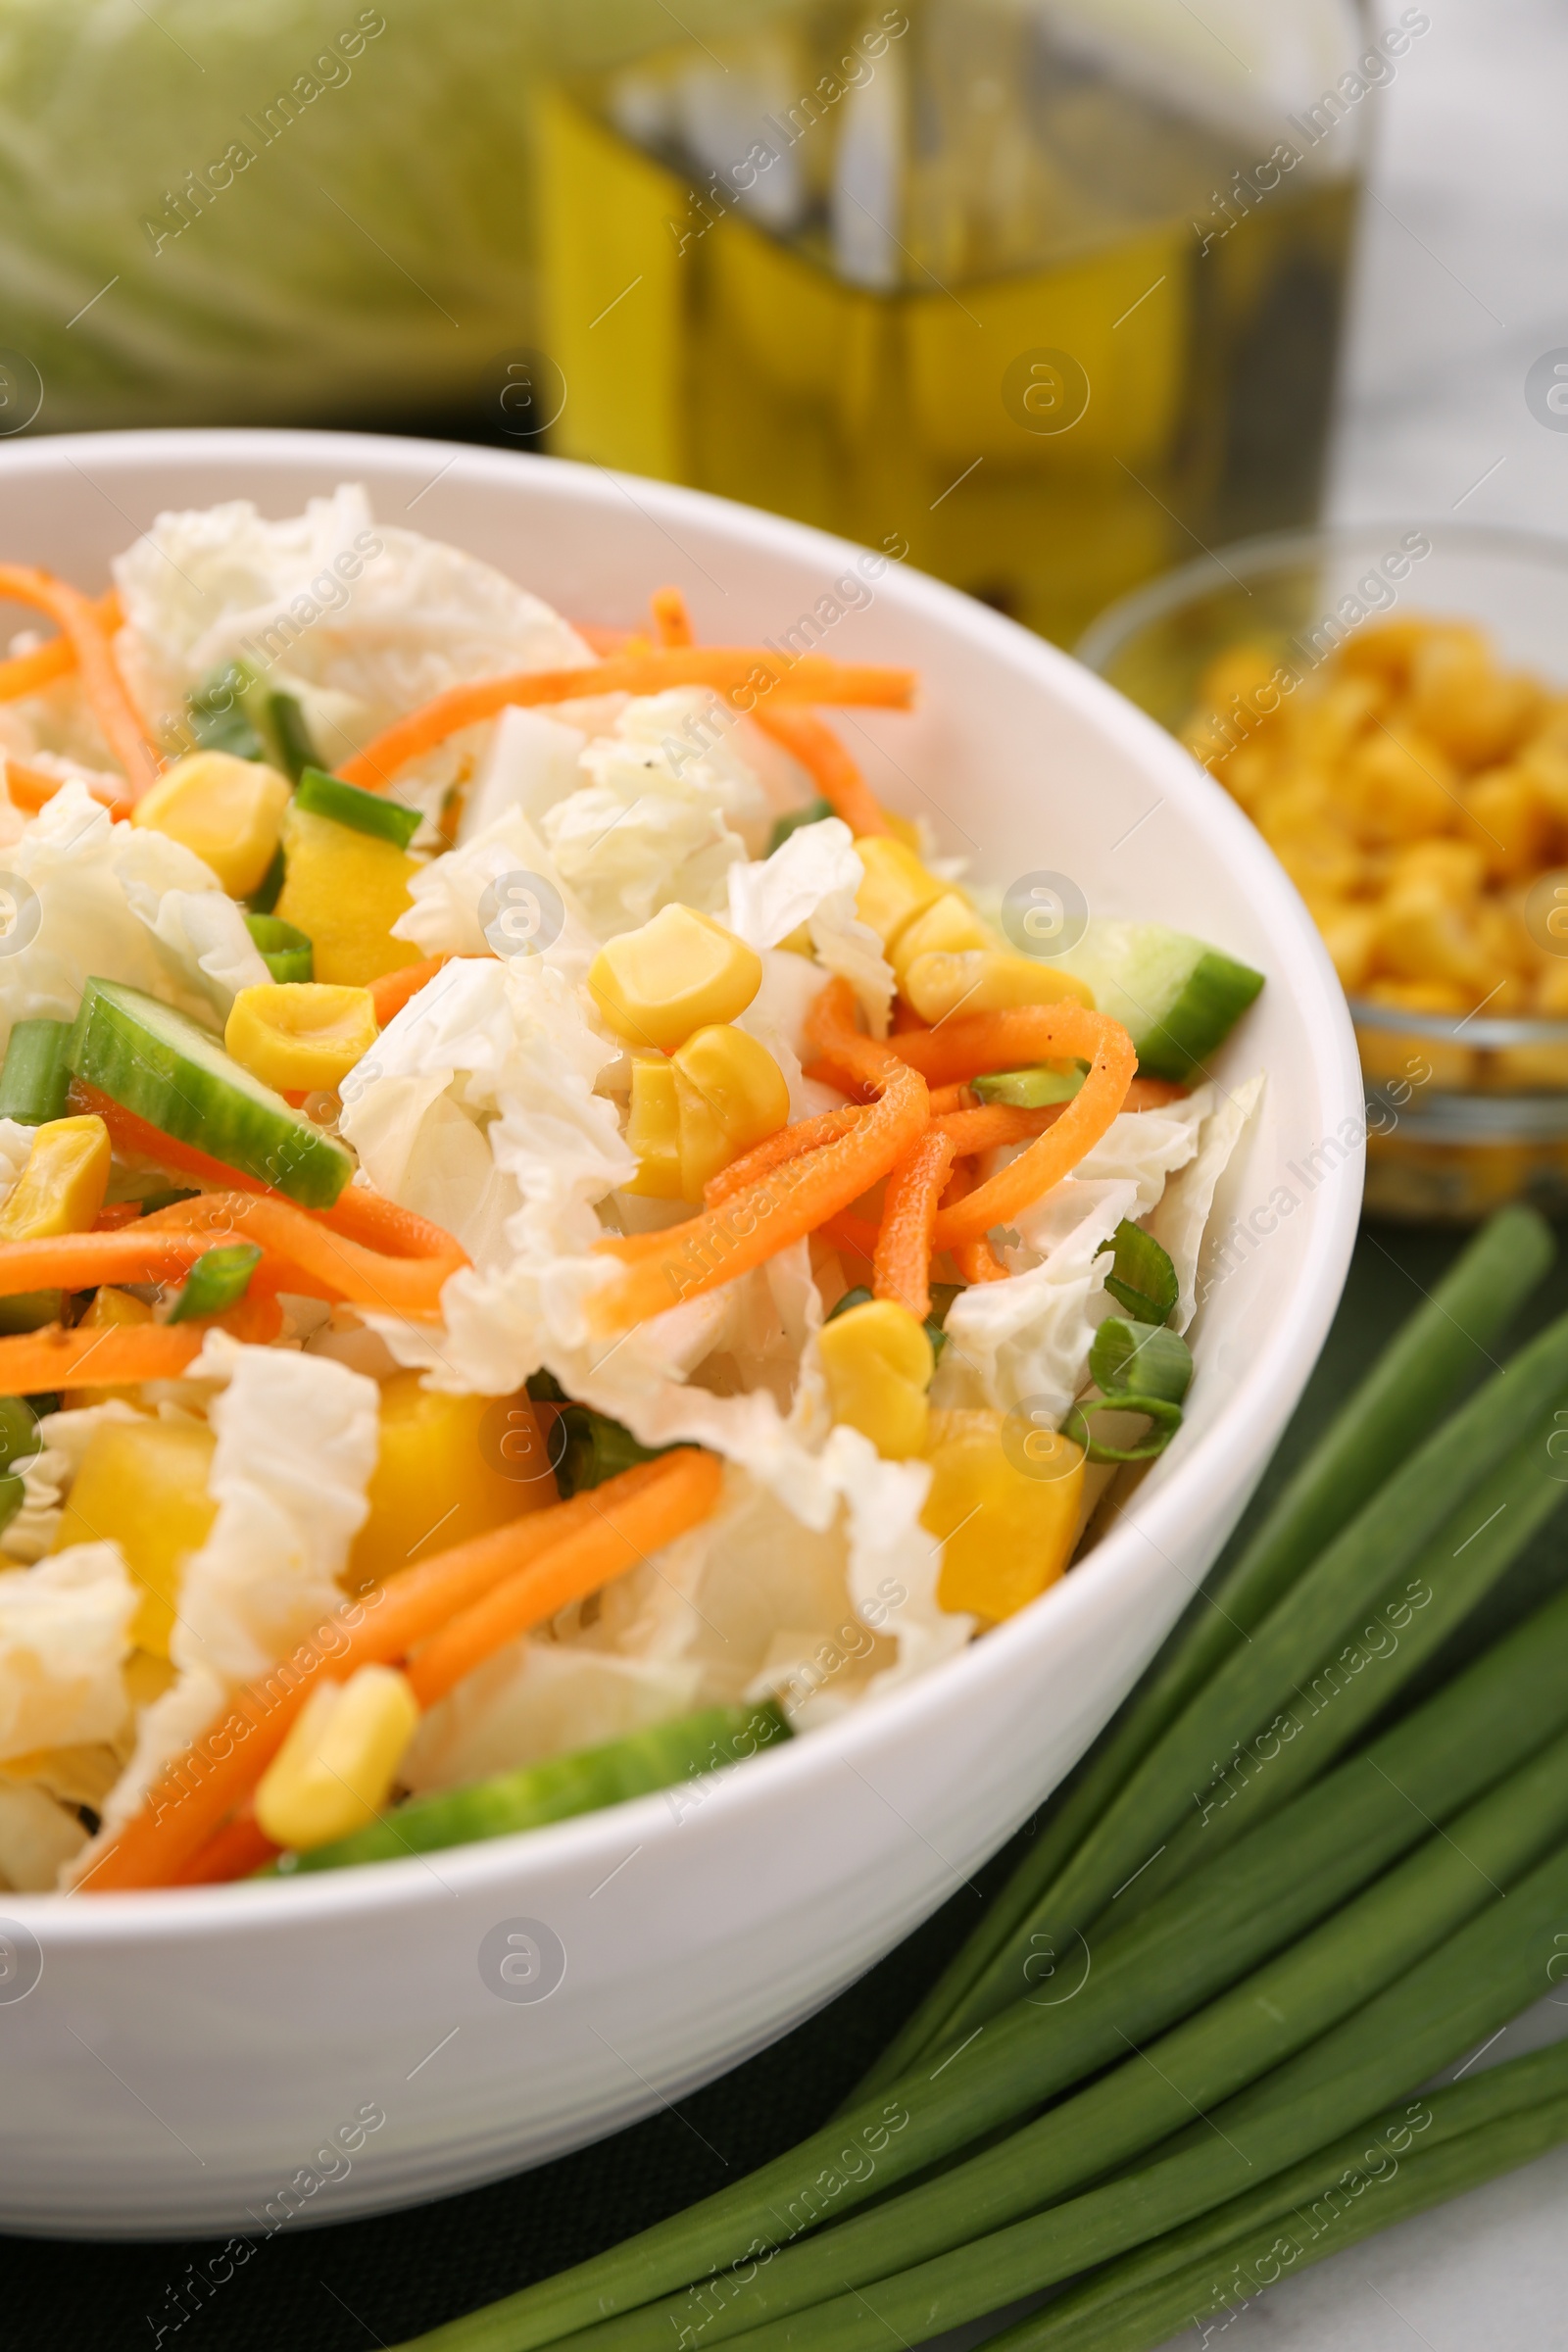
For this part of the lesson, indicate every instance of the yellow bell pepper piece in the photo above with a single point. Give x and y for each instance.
(61, 1185)
(986, 980)
(729, 1093)
(446, 1468)
(230, 811)
(143, 1484)
(652, 1130)
(895, 885)
(335, 1772)
(110, 1310)
(949, 925)
(879, 1362)
(676, 975)
(298, 1035)
(345, 890)
(1008, 1515)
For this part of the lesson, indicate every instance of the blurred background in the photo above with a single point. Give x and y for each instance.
(1079, 303)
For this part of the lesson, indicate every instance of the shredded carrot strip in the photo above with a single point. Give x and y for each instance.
(393, 990)
(787, 1203)
(847, 1230)
(743, 674)
(900, 1267)
(604, 641)
(623, 1534)
(673, 623)
(829, 766)
(30, 788)
(1016, 1039)
(360, 1213)
(240, 1847)
(976, 1260)
(1152, 1094)
(307, 1255)
(25, 673)
(990, 1124)
(907, 1022)
(952, 1097)
(210, 1779)
(34, 1362)
(787, 1144)
(82, 621)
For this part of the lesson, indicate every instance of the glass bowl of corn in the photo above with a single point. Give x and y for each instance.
(1389, 704)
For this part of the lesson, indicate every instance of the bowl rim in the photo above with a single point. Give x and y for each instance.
(1274, 550)
(1159, 1506)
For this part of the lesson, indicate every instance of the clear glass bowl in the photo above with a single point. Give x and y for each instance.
(1463, 1111)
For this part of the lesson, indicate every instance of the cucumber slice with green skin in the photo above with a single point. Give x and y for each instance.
(1177, 999)
(1028, 1089)
(812, 815)
(219, 1279)
(36, 1073)
(371, 813)
(584, 1782)
(286, 953)
(153, 1062)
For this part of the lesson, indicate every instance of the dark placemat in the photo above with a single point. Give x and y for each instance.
(377, 2282)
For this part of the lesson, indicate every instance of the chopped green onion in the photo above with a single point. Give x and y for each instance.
(264, 897)
(321, 795)
(30, 1310)
(219, 721)
(1140, 1356)
(587, 1447)
(219, 1279)
(291, 737)
(812, 815)
(1165, 1420)
(1433, 1359)
(35, 1077)
(13, 1494)
(19, 1431)
(1029, 1090)
(1142, 1278)
(286, 953)
(167, 1196)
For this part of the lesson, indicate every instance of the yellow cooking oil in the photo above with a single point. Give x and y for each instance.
(943, 281)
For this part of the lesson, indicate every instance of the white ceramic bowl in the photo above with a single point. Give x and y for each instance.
(183, 2057)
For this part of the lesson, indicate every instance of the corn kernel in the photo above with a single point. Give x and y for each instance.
(1385, 650)
(1455, 867)
(1008, 1519)
(1387, 1055)
(1320, 861)
(987, 980)
(300, 1035)
(143, 1485)
(230, 811)
(1350, 934)
(729, 1095)
(446, 1468)
(61, 1185)
(1399, 787)
(879, 1362)
(1508, 821)
(1478, 714)
(335, 1770)
(652, 1130)
(948, 925)
(894, 887)
(678, 973)
(1421, 934)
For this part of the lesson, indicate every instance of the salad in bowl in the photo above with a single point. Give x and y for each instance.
(548, 1241)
